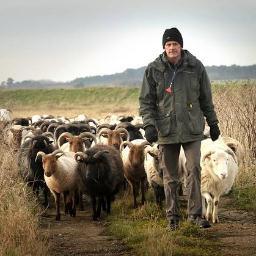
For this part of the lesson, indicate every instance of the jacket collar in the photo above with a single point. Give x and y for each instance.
(161, 63)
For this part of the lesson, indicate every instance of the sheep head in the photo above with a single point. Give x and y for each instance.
(49, 161)
(217, 162)
(97, 166)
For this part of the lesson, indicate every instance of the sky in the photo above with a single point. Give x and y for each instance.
(62, 40)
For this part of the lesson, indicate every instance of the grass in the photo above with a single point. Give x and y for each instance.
(19, 230)
(145, 230)
(70, 102)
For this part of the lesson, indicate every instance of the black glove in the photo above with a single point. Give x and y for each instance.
(151, 134)
(214, 132)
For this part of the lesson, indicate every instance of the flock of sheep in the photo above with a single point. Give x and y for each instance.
(101, 157)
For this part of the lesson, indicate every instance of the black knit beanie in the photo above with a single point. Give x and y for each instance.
(172, 34)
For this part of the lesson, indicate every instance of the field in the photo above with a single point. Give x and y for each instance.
(142, 230)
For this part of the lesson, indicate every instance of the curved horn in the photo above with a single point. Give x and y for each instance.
(103, 126)
(91, 120)
(104, 131)
(48, 135)
(124, 131)
(231, 152)
(124, 143)
(80, 156)
(62, 139)
(53, 126)
(100, 153)
(39, 155)
(207, 154)
(88, 135)
(59, 130)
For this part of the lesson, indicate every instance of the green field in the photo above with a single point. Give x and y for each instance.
(70, 102)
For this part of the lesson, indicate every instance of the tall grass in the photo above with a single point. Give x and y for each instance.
(19, 233)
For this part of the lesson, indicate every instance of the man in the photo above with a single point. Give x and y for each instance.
(174, 98)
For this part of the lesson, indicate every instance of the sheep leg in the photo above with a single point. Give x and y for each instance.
(99, 204)
(57, 204)
(65, 202)
(93, 199)
(208, 198)
(73, 207)
(215, 218)
(81, 205)
(134, 192)
(142, 188)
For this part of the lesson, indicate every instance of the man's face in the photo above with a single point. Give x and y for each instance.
(173, 50)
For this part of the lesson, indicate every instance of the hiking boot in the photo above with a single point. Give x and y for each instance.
(173, 225)
(200, 222)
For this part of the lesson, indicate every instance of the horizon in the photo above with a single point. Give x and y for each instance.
(62, 40)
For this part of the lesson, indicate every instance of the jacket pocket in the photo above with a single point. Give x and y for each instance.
(196, 119)
(166, 125)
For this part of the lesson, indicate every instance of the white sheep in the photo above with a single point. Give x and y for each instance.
(61, 176)
(219, 168)
(154, 173)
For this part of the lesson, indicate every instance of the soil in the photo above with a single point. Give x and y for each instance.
(236, 231)
(80, 236)
(236, 234)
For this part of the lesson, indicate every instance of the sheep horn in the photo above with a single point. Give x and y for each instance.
(80, 156)
(100, 153)
(103, 126)
(231, 152)
(62, 138)
(104, 131)
(48, 134)
(39, 155)
(57, 153)
(124, 143)
(207, 154)
(124, 131)
(88, 135)
(91, 120)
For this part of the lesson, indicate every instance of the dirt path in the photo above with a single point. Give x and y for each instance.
(236, 230)
(236, 233)
(79, 236)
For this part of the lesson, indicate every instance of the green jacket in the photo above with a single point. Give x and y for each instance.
(178, 116)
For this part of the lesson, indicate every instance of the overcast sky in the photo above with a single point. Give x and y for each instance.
(65, 39)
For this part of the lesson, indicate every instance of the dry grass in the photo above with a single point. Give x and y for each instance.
(236, 110)
(18, 211)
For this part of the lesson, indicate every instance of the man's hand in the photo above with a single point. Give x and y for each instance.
(151, 134)
(214, 132)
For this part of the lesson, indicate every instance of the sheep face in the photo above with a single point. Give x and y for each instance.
(136, 155)
(218, 162)
(50, 164)
(96, 168)
(76, 144)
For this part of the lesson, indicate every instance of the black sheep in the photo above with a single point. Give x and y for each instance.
(32, 170)
(102, 173)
